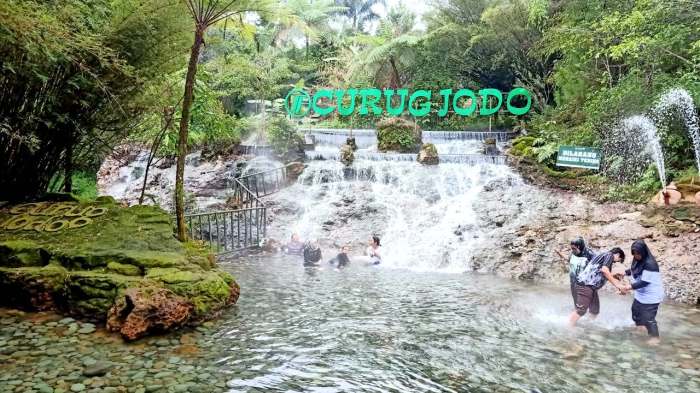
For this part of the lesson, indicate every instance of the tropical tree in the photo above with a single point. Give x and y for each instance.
(72, 78)
(391, 51)
(204, 13)
(309, 19)
(360, 12)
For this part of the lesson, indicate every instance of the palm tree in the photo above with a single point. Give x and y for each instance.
(205, 13)
(359, 12)
(310, 17)
(392, 49)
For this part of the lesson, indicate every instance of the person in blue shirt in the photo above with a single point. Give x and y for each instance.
(648, 289)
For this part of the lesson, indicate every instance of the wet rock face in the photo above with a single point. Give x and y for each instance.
(428, 154)
(143, 311)
(347, 155)
(522, 225)
(67, 257)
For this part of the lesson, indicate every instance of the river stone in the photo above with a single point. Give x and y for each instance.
(87, 329)
(97, 369)
(78, 387)
(43, 387)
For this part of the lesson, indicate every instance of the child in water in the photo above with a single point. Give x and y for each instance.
(341, 260)
(312, 254)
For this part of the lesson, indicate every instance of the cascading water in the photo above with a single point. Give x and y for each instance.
(651, 135)
(424, 214)
(681, 99)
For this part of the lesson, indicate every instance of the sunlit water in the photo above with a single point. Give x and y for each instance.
(388, 330)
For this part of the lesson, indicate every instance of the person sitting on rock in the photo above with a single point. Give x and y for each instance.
(579, 258)
(374, 251)
(341, 260)
(590, 279)
(295, 246)
(312, 254)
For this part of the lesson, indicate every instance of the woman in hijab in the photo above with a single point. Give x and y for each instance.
(312, 253)
(579, 258)
(648, 289)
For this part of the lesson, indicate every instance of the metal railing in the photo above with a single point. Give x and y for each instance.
(263, 183)
(246, 225)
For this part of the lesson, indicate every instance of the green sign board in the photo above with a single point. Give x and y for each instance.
(578, 157)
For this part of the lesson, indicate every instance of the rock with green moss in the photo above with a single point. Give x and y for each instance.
(428, 154)
(397, 134)
(81, 259)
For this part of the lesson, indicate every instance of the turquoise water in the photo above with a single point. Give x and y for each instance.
(367, 330)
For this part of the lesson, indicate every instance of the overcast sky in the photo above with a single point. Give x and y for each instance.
(419, 7)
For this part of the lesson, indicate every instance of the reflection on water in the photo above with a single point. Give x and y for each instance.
(364, 329)
(386, 330)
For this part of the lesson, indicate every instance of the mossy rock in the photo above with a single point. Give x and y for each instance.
(397, 134)
(19, 253)
(84, 271)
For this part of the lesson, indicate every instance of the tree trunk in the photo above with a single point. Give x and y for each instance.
(68, 166)
(184, 127)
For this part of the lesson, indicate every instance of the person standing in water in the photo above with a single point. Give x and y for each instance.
(579, 258)
(590, 279)
(312, 254)
(648, 289)
(295, 245)
(374, 251)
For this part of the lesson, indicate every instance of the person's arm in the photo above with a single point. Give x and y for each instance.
(639, 284)
(608, 275)
(560, 254)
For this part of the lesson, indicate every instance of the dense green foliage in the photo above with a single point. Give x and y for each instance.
(79, 76)
(282, 135)
(398, 134)
(72, 73)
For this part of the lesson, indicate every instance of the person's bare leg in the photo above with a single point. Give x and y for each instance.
(593, 316)
(654, 341)
(573, 318)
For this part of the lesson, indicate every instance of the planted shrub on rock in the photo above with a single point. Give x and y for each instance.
(397, 134)
(284, 139)
(83, 258)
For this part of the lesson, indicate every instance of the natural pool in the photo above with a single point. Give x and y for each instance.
(364, 329)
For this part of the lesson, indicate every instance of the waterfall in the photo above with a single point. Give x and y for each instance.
(423, 214)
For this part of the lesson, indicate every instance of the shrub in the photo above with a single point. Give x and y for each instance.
(397, 134)
(283, 135)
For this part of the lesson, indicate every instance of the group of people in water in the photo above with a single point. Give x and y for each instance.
(311, 252)
(588, 273)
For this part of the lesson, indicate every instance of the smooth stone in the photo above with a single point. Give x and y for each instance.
(66, 321)
(174, 360)
(97, 369)
(52, 352)
(87, 330)
(43, 387)
(154, 388)
(78, 387)
(89, 361)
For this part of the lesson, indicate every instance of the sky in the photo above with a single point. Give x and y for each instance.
(419, 7)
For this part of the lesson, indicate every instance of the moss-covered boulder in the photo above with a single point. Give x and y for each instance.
(397, 134)
(80, 259)
(428, 154)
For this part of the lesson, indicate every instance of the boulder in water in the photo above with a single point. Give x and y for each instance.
(490, 148)
(148, 310)
(428, 154)
(347, 155)
(351, 142)
(294, 170)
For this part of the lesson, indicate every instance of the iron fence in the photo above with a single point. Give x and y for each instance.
(246, 225)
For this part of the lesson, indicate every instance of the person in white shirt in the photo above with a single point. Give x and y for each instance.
(374, 251)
